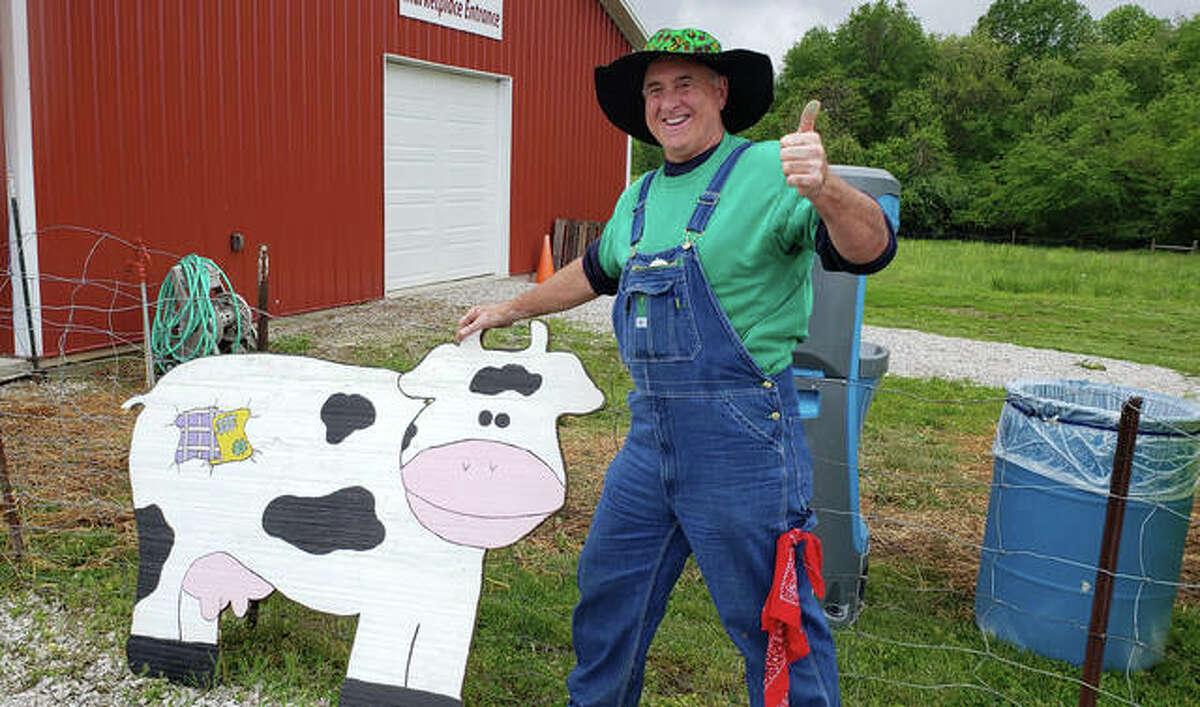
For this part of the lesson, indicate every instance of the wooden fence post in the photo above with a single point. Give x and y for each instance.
(8, 506)
(264, 276)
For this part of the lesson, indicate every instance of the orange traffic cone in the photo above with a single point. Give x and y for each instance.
(545, 267)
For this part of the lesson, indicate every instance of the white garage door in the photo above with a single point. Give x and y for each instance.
(445, 176)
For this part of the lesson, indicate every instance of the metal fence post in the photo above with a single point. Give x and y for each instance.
(1114, 518)
(16, 219)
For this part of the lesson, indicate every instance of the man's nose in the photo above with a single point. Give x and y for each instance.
(671, 97)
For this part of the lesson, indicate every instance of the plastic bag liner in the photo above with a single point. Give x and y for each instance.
(1065, 430)
(1054, 449)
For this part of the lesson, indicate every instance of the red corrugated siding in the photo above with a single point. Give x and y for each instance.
(179, 122)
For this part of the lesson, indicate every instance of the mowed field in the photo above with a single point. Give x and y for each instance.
(1134, 305)
(926, 469)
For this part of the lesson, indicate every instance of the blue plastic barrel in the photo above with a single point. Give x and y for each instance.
(1053, 453)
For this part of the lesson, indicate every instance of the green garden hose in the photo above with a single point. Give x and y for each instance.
(186, 322)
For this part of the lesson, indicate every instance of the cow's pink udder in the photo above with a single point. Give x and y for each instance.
(481, 493)
(218, 579)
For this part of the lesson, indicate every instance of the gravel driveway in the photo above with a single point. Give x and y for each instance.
(37, 637)
(913, 354)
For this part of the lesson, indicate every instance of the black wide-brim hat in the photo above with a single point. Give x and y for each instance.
(751, 80)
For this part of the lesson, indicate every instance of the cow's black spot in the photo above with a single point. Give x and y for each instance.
(343, 414)
(492, 380)
(408, 436)
(155, 540)
(502, 420)
(343, 520)
(485, 418)
(359, 693)
(180, 661)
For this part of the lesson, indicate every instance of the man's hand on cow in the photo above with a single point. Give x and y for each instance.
(489, 316)
(803, 155)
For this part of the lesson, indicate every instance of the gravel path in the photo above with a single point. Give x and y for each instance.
(38, 638)
(81, 671)
(913, 354)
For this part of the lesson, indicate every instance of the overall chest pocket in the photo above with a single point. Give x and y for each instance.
(654, 319)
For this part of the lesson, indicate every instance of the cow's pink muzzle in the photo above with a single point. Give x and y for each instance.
(480, 493)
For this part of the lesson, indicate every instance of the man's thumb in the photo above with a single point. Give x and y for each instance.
(808, 119)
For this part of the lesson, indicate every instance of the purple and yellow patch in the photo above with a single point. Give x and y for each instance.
(213, 436)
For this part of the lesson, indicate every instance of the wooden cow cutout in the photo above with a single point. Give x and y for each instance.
(351, 490)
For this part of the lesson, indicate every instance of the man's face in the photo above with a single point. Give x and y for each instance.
(683, 106)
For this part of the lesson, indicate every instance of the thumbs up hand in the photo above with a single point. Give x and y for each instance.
(803, 155)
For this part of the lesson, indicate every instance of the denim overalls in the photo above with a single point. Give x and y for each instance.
(715, 464)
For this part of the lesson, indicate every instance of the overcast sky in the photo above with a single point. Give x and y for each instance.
(773, 26)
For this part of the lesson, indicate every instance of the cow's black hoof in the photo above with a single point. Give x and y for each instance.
(356, 693)
(189, 663)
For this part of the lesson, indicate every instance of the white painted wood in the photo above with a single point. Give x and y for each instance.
(446, 137)
(459, 455)
(18, 145)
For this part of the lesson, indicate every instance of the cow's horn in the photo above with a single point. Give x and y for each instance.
(539, 336)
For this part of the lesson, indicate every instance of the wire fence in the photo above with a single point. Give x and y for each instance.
(68, 515)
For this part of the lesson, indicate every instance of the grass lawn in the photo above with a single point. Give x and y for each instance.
(1139, 305)
(926, 468)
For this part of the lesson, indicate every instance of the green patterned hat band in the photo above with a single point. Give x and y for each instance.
(683, 41)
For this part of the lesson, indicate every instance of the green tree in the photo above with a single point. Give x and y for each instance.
(1175, 120)
(1089, 176)
(974, 96)
(645, 158)
(1047, 87)
(1039, 28)
(810, 70)
(882, 50)
(1142, 61)
(1128, 22)
(918, 155)
(1186, 46)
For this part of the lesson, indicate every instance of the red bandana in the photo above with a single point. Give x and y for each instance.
(781, 613)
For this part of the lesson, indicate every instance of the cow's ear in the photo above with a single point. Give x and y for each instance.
(474, 342)
(539, 337)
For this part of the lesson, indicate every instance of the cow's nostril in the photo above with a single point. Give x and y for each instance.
(485, 418)
(502, 420)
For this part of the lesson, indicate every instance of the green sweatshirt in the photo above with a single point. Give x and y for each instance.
(757, 251)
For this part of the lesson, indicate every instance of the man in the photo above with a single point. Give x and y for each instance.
(709, 258)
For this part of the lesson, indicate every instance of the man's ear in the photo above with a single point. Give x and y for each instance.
(723, 89)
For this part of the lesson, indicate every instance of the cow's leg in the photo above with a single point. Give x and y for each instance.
(395, 663)
(158, 645)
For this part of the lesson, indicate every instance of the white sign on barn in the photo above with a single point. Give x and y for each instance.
(484, 17)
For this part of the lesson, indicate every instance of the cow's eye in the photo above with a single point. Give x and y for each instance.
(485, 419)
(502, 420)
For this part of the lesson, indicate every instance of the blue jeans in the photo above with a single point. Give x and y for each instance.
(741, 480)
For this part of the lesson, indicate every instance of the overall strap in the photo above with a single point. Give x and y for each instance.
(708, 200)
(639, 210)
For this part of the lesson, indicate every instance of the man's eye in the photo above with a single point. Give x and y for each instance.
(684, 85)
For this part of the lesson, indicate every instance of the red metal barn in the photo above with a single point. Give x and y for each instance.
(372, 144)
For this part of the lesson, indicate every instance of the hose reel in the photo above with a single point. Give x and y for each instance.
(198, 313)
